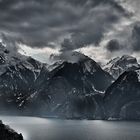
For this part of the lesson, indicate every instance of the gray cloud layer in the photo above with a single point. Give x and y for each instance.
(73, 24)
(40, 22)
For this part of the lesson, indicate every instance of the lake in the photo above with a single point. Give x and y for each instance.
(34, 128)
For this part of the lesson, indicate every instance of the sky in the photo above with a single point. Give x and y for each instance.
(101, 29)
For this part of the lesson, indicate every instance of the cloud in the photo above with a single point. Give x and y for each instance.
(39, 23)
(114, 45)
(101, 29)
(92, 28)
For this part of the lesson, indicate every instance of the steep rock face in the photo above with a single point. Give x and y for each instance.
(7, 133)
(119, 65)
(122, 96)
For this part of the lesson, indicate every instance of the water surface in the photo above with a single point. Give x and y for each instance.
(34, 128)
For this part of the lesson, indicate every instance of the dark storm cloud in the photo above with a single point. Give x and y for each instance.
(114, 45)
(98, 20)
(40, 22)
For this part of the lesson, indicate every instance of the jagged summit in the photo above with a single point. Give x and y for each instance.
(74, 58)
(119, 65)
(11, 58)
(82, 71)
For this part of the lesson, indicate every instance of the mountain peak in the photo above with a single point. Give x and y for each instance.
(75, 58)
(119, 65)
(85, 71)
(69, 56)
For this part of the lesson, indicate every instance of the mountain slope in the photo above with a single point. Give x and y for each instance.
(123, 96)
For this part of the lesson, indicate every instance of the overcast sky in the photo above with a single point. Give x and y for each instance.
(101, 29)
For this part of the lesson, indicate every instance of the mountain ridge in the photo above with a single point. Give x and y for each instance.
(75, 89)
(33, 88)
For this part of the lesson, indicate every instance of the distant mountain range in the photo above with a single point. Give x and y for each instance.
(76, 88)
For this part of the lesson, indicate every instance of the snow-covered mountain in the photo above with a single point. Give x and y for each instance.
(18, 75)
(30, 87)
(119, 65)
(76, 84)
(71, 85)
(78, 88)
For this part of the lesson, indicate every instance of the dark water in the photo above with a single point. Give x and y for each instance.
(52, 129)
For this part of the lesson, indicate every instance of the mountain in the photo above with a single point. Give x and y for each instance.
(82, 72)
(122, 98)
(18, 75)
(29, 87)
(119, 65)
(75, 88)
(6, 133)
(72, 88)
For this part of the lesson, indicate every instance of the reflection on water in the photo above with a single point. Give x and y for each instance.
(52, 129)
